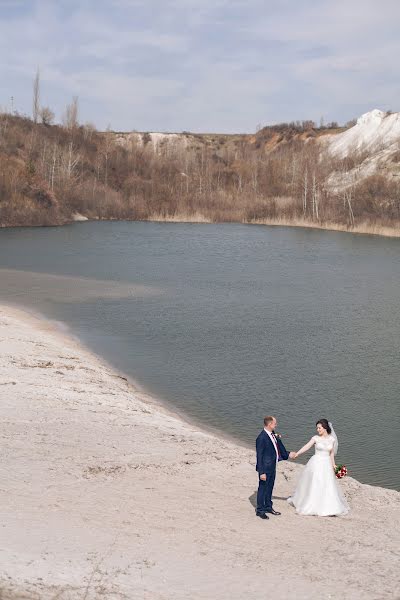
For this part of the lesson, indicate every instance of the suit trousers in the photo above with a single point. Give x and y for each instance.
(264, 494)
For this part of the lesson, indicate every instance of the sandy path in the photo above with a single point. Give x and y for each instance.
(104, 495)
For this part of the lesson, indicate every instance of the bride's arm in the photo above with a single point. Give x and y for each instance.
(309, 445)
(332, 455)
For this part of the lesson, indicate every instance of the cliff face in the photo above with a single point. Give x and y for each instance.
(291, 172)
(374, 132)
(168, 143)
(373, 142)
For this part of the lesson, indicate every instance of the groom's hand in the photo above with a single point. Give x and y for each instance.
(263, 477)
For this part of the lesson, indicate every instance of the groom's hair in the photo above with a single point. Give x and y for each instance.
(268, 420)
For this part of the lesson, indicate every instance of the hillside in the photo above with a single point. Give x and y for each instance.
(291, 173)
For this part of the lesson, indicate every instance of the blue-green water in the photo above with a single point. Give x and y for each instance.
(226, 323)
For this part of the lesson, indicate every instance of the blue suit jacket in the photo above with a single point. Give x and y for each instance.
(266, 454)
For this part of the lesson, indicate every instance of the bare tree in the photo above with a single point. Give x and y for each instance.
(348, 197)
(315, 198)
(36, 97)
(305, 191)
(69, 161)
(46, 115)
(88, 130)
(70, 117)
(53, 166)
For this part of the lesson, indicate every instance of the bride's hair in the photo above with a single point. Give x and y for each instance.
(324, 424)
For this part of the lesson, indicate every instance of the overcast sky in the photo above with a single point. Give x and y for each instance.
(202, 65)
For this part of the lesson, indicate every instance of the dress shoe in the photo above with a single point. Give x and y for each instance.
(262, 515)
(273, 512)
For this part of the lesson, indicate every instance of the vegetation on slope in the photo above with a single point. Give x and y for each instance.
(49, 173)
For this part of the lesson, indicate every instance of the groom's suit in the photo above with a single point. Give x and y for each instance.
(266, 464)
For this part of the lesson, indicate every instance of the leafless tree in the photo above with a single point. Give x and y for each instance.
(47, 115)
(305, 191)
(70, 117)
(53, 166)
(348, 196)
(36, 97)
(88, 130)
(69, 161)
(315, 197)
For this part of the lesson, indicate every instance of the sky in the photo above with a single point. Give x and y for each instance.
(201, 65)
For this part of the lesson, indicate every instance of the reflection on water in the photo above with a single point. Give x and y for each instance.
(229, 322)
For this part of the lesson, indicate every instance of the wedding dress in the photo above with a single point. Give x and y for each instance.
(317, 491)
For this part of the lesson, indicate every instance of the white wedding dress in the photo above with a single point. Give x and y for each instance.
(318, 492)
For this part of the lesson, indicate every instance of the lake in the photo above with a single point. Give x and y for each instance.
(226, 323)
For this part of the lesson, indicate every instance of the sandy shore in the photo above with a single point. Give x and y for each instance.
(104, 495)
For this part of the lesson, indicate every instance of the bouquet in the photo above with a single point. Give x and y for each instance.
(341, 471)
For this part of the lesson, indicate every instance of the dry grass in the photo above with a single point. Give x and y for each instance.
(363, 228)
(179, 218)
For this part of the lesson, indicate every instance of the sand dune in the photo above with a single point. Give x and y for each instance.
(104, 494)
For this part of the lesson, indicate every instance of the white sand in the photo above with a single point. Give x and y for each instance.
(105, 495)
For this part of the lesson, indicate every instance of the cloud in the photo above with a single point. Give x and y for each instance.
(199, 64)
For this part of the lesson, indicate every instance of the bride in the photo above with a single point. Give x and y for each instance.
(317, 491)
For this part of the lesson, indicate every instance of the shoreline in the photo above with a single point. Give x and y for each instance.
(198, 218)
(86, 461)
(62, 330)
(361, 229)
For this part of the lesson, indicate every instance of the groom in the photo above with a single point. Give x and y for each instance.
(270, 450)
